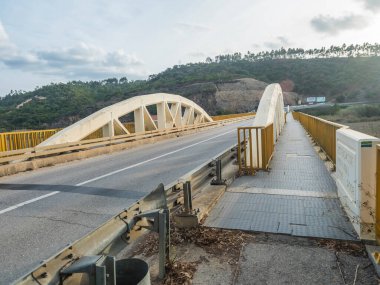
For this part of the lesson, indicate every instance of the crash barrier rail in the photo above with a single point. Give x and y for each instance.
(121, 230)
(232, 116)
(38, 152)
(322, 131)
(27, 139)
(255, 148)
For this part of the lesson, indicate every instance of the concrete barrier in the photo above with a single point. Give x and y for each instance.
(356, 179)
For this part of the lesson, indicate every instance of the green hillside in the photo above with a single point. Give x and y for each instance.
(343, 74)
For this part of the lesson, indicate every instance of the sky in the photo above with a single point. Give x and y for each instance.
(59, 41)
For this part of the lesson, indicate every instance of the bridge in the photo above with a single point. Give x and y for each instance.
(274, 172)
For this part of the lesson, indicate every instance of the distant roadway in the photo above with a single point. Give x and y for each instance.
(44, 210)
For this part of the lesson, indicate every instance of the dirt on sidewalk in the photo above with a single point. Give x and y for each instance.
(205, 255)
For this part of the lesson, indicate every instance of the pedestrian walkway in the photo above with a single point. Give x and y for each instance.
(297, 196)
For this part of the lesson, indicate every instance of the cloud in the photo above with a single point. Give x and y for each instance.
(197, 54)
(192, 27)
(184, 29)
(279, 42)
(3, 35)
(373, 5)
(82, 60)
(334, 25)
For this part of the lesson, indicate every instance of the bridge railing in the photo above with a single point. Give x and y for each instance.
(255, 148)
(232, 116)
(322, 131)
(38, 151)
(18, 140)
(256, 143)
(24, 139)
(377, 214)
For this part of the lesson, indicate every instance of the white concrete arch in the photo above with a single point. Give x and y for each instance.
(169, 114)
(271, 109)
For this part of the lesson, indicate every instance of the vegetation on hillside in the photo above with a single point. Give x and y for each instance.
(346, 73)
(347, 114)
(364, 118)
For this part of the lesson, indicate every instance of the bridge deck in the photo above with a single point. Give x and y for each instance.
(297, 197)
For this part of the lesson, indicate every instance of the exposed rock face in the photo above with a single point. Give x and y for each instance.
(243, 95)
(236, 96)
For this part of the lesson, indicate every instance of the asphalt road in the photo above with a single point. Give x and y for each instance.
(44, 210)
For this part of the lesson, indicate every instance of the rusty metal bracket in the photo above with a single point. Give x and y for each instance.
(100, 269)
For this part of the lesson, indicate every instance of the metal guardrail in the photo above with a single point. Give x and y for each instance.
(322, 131)
(24, 139)
(116, 234)
(255, 148)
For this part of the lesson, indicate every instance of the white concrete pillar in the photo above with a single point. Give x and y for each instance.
(139, 120)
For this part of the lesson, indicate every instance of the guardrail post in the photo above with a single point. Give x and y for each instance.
(161, 225)
(218, 173)
(188, 204)
(164, 240)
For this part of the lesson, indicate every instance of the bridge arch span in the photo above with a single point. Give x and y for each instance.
(172, 111)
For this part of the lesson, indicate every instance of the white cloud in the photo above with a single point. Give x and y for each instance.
(335, 25)
(184, 29)
(3, 35)
(193, 27)
(372, 5)
(197, 54)
(279, 42)
(82, 60)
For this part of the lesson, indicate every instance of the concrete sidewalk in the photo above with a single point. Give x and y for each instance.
(297, 196)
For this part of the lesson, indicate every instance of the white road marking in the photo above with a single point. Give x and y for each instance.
(112, 173)
(28, 202)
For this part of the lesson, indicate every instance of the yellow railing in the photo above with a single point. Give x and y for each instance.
(378, 195)
(99, 133)
(231, 116)
(255, 148)
(322, 131)
(24, 139)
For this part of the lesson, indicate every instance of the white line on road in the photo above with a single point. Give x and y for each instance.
(112, 173)
(28, 202)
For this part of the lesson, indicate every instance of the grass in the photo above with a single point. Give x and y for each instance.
(370, 128)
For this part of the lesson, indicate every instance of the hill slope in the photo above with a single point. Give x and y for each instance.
(219, 87)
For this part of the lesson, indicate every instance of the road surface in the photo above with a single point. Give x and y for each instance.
(44, 210)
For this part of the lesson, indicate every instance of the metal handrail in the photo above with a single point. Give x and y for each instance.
(322, 131)
(377, 214)
(255, 148)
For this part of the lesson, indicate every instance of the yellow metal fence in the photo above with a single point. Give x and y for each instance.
(377, 226)
(322, 131)
(231, 116)
(255, 148)
(25, 139)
